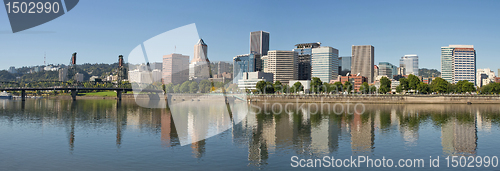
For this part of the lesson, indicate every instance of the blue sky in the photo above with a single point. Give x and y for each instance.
(101, 30)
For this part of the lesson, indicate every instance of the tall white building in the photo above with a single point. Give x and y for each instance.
(410, 63)
(283, 64)
(199, 66)
(465, 62)
(325, 63)
(484, 77)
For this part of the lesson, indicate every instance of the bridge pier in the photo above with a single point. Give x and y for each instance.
(119, 95)
(73, 94)
(23, 95)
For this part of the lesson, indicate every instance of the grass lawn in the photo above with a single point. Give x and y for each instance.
(100, 94)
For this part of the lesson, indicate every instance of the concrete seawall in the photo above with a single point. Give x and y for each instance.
(379, 99)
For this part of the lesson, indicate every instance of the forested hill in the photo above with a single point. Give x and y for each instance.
(28, 74)
(424, 72)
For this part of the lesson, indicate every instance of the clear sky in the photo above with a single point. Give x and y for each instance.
(100, 30)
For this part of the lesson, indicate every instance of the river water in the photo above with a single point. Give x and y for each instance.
(48, 134)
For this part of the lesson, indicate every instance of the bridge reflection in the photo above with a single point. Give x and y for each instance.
(301, 131)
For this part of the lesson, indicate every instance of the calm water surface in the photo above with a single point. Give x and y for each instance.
(109, 135)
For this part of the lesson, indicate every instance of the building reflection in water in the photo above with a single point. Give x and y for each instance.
(269, 131)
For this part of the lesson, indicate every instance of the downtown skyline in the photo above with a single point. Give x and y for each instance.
(114, 33)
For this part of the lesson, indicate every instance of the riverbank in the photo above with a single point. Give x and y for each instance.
(378, 99)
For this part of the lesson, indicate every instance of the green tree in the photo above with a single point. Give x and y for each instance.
(364, 88)
(193, 87)
(348, 87)
(169, 88)
(286, 88)
(185, 87)
(269, 88)
(439, 85)
(385, 85)
(260, 86)
(316, 85)
(337, 86)
(404, 83)
(423, 88)
(205, 86)
(278, 87)
(399, 89)
(297, 87)
(413, 82)
(373, 89)
(177, 88)
(468, 87)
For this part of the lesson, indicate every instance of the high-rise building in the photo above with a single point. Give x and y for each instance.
(325, 63)
(484, 77)
(283, 64)
(175, 68)
(63, 74)
(259, 42)
(12, 70)
(401, 70)
(464, 64)
(199, 66)
(223, 67)
(447, 61)
(410, 63)
(79, 77)
(264, 63)
(156, 65)
(375, 72)
(245, 63)
(363, 61)
(344, 65)
(387, 69)
(304, 51)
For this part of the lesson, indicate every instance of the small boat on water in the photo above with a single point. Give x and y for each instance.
(5, 95)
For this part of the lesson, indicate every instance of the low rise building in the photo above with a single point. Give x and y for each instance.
(249, 79)
(356, 80)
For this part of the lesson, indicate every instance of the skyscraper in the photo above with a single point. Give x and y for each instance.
(325, 63)
(345, 65)
(410, 63)
(259, 42)
(464, 64)
(458, 62)
(362, 61)
(387, 69)
(283, 64)
(245, 63)
(223, 67)
(175, 68)
(304, 52)
(199, 66)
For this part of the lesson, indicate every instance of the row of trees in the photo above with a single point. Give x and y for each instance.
(491, 88)
(205, 86)
(318, 87)
(439, 85)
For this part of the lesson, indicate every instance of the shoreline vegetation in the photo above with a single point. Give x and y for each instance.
(325, 98)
